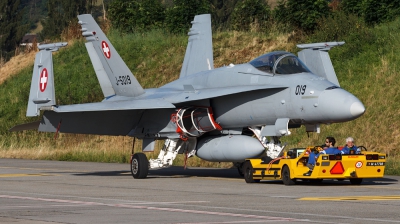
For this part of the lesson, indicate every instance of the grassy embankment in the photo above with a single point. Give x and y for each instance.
(367, 65)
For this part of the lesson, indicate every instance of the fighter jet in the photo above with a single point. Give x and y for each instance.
(225, 114)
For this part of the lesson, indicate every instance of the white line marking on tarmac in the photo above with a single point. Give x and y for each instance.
(218, 207)
(105, 199)
(165, 202)
(256, 221)
(154, 208)
(300, 213)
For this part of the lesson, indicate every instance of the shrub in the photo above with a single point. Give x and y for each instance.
(381, 11)
(301, 14)
(340, 26)
(179, 16)
(139, 15)
(250, 12)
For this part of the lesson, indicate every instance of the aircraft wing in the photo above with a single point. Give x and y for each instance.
(115, 106)
(200, 94)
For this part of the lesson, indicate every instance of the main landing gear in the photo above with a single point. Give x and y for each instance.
(172, 147)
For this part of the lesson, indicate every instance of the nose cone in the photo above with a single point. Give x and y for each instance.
(357, 109)
(338, 105)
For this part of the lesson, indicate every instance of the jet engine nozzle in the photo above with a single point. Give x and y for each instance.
(338, 105)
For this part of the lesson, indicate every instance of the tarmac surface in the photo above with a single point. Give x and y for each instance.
(33, 191)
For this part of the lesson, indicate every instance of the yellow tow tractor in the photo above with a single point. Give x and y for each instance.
(292, 166)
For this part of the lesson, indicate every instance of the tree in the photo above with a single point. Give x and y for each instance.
(61, 13)
(11, 28)
(302, 14)
(179, 16)
(353, 7)
(53, 24)
(137, 15)
(380, 11)
(250, 12)
(221, 11)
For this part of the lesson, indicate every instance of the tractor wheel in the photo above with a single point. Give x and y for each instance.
(286, 176)
(248, 172)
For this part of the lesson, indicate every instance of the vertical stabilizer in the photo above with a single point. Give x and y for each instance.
(317, 59)
(199, 51)
(110, 69)
(42, 94)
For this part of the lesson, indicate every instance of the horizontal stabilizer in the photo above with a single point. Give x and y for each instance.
(27, 126)
(115, 105)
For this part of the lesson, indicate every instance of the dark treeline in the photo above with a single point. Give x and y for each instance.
(12, 28)
(17, 17)
(244, 15)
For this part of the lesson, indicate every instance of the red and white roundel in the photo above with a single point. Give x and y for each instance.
(106, 49)
(44, 77)
(359, 164)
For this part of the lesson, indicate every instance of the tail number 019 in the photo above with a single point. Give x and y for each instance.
(300, 90)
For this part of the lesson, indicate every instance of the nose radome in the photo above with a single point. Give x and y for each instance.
(338, 105)
(357, 109)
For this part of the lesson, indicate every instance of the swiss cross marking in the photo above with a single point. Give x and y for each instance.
(44, 77)
(106, 49)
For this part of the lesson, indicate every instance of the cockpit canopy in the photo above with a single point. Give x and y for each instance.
(279, 62)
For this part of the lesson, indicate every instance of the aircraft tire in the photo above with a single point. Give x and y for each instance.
(139, 166)
(248, 173)
(286, 177)
(356, 181)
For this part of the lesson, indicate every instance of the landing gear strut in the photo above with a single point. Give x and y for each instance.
(273, 146)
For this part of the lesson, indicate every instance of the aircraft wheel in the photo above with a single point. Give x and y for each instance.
(286, 176)
(139, 166)
(248, 172)
(356, 181)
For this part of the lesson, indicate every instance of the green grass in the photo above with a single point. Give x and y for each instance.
(367, 66)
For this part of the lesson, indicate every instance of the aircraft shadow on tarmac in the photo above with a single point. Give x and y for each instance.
(175, 172)
(180, 172)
